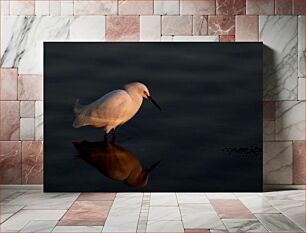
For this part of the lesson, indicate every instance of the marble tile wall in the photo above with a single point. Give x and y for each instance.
(279, 24)
(280, 37)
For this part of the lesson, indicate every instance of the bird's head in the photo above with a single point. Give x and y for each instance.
(139, 88)
(140, 178)
(142, 90)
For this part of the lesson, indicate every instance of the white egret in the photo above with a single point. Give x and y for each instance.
(113, 109)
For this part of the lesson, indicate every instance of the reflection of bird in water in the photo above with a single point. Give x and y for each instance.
(113, 109)
(114, 162)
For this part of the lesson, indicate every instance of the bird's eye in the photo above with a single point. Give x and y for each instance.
(145, 93)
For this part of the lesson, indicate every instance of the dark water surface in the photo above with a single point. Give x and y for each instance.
(208, 136)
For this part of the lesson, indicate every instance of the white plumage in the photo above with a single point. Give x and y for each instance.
(113, 109)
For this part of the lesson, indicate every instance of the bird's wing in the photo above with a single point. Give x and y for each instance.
(77, 107)
(111, 107)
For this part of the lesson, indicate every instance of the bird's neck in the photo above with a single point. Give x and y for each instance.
(135, 96)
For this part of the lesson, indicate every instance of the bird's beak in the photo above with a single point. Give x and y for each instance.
(152, 167)
(153, 101)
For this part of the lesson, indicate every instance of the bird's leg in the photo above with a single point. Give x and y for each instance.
(105, 137)
(114, 134)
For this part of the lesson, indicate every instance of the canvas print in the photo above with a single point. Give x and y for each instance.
(183, 117)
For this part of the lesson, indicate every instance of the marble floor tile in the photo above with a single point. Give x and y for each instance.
(124, 214)
(24, 198)
(207, 220)
(247, 194)
(128, 195)
(192, 198)
(143, 216)
(286, 205)
(9, 210)
(231, 208)
(131, 212)
(11, 197)
(296, 195)
(258, 205)
(218, 227)
(165, 226)
(96, 197)
(128, 202)
(218, 230)
(199, 216)
(197, 231)
(73, 229)
(39, 200)
(294, 210)
(238, 225)
(221, 196)
(167, 213)
(190, 209)
(39, 226)
(159, 194)
(279, 35)
(122, 220)
(91, 213)
(163, 200)
(278, 223)
(23, 217)
(6, 193)
(53, 201)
